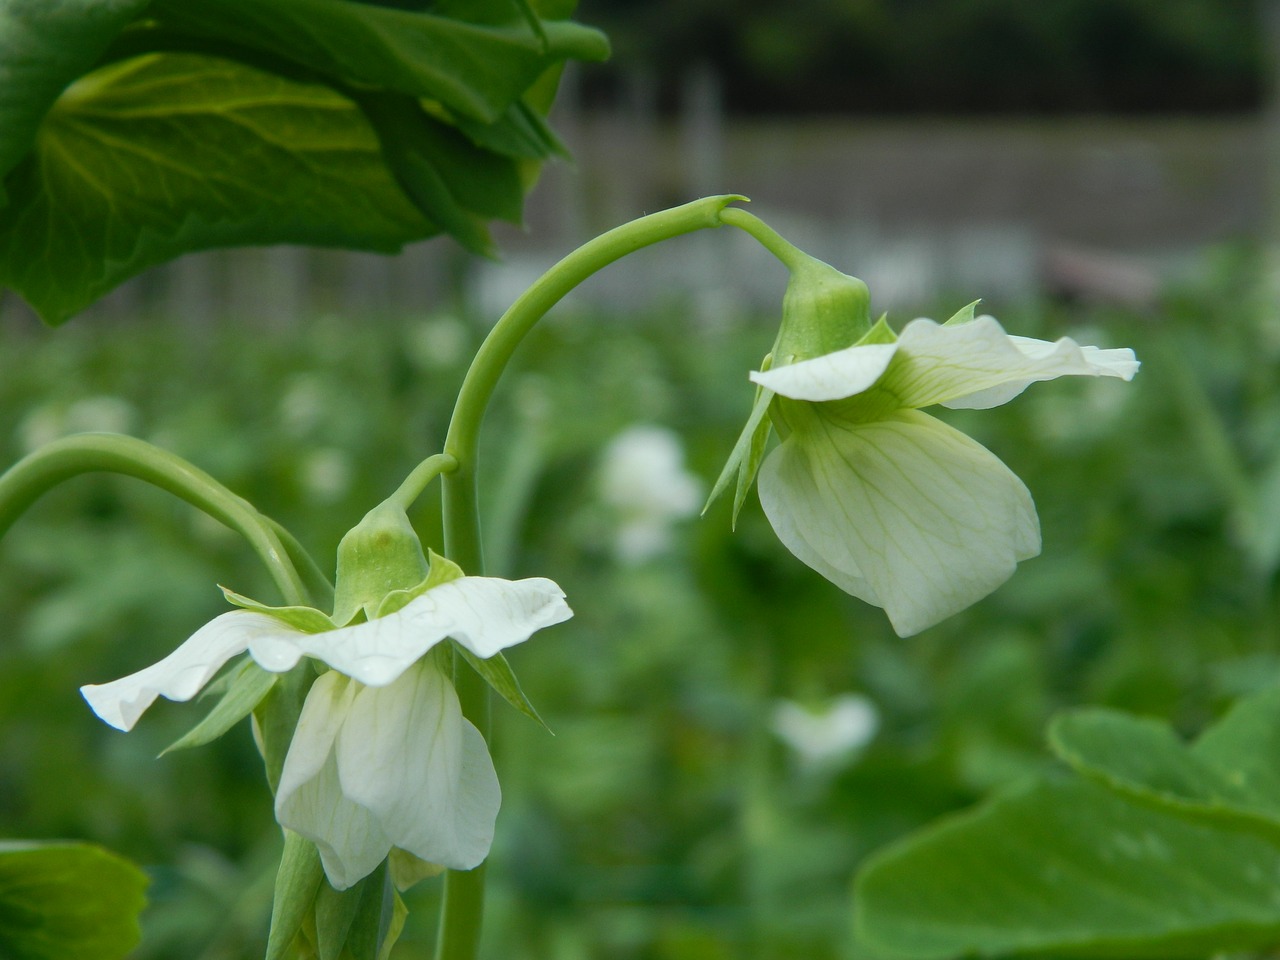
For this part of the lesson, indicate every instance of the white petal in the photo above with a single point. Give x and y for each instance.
(183, 673)
(908, 507)
(977, 365)
(407, 754)
(484, 614)
(829, 377)
(310, 800)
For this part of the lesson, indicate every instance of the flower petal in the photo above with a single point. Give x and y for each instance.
(310, 800)
(182, 674)
(906, 513)
(976, 365)
(407, 754)
(484, 614)
(832, 376)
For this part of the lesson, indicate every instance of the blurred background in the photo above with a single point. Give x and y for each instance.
(732, 734)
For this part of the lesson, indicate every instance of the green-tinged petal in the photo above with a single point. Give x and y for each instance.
(829, 377)
(484, 614)
(408, 870)
(905, 513)
(310, 799)
(406, 754)
(182, 674)
(976, 365)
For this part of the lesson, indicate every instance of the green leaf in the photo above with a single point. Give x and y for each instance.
(476, 69)
(1070, 868)
(1228, 773)
(166, 154)
(298, 881)
(67, 901)
(499, 675)
(249, 685)
(44, 46)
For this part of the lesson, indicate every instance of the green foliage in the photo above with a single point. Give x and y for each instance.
(665, 819)
(138, 132)
(1160, 850)
(67, 901)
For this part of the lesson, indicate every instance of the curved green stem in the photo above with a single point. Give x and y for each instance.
(419, 478)
(461, 912)
(768, 237)
(28, 479)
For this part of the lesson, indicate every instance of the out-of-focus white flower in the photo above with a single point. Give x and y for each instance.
(822, 737)
(101, 413)
(382, 757)
(643, 478)
(326, 474)
(437, 343)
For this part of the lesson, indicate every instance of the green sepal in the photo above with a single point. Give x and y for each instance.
(823, 310)
(748, 451)
(248, 684)
(350, 923)
(499, 675)
(963, 315)
(298, 881)
(379, 555)
(395, 924)
(306, 619)
(881, 332)
(440, 571)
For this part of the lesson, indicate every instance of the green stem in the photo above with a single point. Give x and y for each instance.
(769, 238)
(422, 475)
(28, 479)
(462, 910)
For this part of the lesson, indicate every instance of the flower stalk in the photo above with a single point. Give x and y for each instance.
(462, 909)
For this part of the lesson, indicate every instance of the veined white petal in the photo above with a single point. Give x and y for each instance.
(183, 673)
(928, 519)
(832, 376)
(310, 800)
(406, 754)
(977, 365)
(484, 614)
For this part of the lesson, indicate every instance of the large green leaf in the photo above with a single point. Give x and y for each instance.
(67, 901)
(476, 69)
(210, 123)
(44, 46)
(1164, 849)
(166, 154)
(1228, 773)
(1071, 869)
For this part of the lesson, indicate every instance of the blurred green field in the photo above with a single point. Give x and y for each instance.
(666, 819)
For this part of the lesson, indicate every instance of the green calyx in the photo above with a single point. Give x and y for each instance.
(379, 555)
(823, 311)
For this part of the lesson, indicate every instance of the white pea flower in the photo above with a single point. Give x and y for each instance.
(891, 504)
(822, 737)
(382, 757)
(643, 477)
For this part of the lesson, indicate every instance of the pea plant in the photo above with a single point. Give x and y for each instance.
(138, 130)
